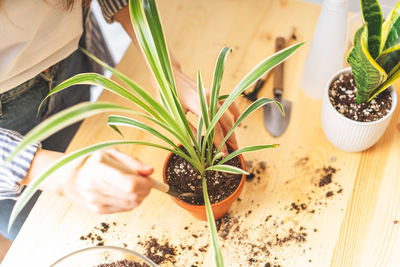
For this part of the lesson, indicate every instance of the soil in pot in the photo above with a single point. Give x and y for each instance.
(181, 175)
(342, 94)
(124, 263)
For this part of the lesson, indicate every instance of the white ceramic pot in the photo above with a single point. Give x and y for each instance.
(350, 135)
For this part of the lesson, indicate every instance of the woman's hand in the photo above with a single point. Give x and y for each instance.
(189, 98)
(98, 185)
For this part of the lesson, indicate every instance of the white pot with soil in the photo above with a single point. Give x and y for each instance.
(350, 126)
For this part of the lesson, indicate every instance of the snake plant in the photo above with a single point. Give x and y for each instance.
(167, 113)
(375, 55)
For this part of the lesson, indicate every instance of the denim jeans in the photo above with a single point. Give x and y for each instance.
(18, 111)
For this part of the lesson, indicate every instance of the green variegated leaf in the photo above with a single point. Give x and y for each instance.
(34, 185)
(372, 16)
(227, 168)
(219, 262)
(392, 78)
(258, 71)
(391, 31)
(249, 110)
(244, 150)
(367, 73)
(63, 119)
(389, 61)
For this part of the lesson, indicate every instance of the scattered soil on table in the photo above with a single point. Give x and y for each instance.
(342, 94)
(395, 222)
(326, 175)
(255, 170)
(96, 236)
(220, 185)
(124, 263)
(159, 252)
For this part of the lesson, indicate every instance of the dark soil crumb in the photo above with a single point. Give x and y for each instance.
(182, 176)
(326, 175)
(395, 222)
(124, 263)
(342, 95)
(97, 235)
(250, 176)
(255, 170)
(329, 194)
(159, 253)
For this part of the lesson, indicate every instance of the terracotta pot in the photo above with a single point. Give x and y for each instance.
(347, 134)
(219, 209)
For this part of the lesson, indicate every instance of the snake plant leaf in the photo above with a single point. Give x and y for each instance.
(63, 119)
(367, 73)
(391, 31)
(249, 110)
(392, 78)
(389, 61)
(219, 262)
(34, 185)
(258, 71)
(372, 16)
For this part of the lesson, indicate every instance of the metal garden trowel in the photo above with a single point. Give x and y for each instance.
(274, 121)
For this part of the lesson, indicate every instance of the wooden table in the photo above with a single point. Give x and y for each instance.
(285, 216)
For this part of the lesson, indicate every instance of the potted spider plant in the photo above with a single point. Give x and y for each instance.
(359, 102)
(197, 151)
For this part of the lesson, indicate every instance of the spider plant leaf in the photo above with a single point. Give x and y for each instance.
(132, 85)
(367, 73)
(153, 20)
(34, 185)
(372, 16)
(391, 31)
(244, 150)
(222, 97)
(217, 78)
(116, 120)
(203, 100)
(199, 131)
(99, 80)
(258, 71)
(211, 226)
(227, 168)
(63, 119)
(249, 110)
(115, 128)
(148, 44)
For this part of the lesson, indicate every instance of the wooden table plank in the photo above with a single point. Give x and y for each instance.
(324, 231)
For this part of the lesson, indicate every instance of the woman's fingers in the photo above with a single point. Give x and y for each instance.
(110, 181)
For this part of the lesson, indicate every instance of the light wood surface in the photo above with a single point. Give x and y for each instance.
(353, 227)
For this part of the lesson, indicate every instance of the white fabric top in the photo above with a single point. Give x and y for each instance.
(34, 35)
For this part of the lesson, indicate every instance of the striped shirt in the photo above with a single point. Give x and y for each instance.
(12, 173)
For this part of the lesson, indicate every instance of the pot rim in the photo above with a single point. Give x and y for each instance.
(221, 203)
(391, 88)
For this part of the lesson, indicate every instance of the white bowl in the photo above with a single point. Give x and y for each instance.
(347, 134)
(93, 256)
